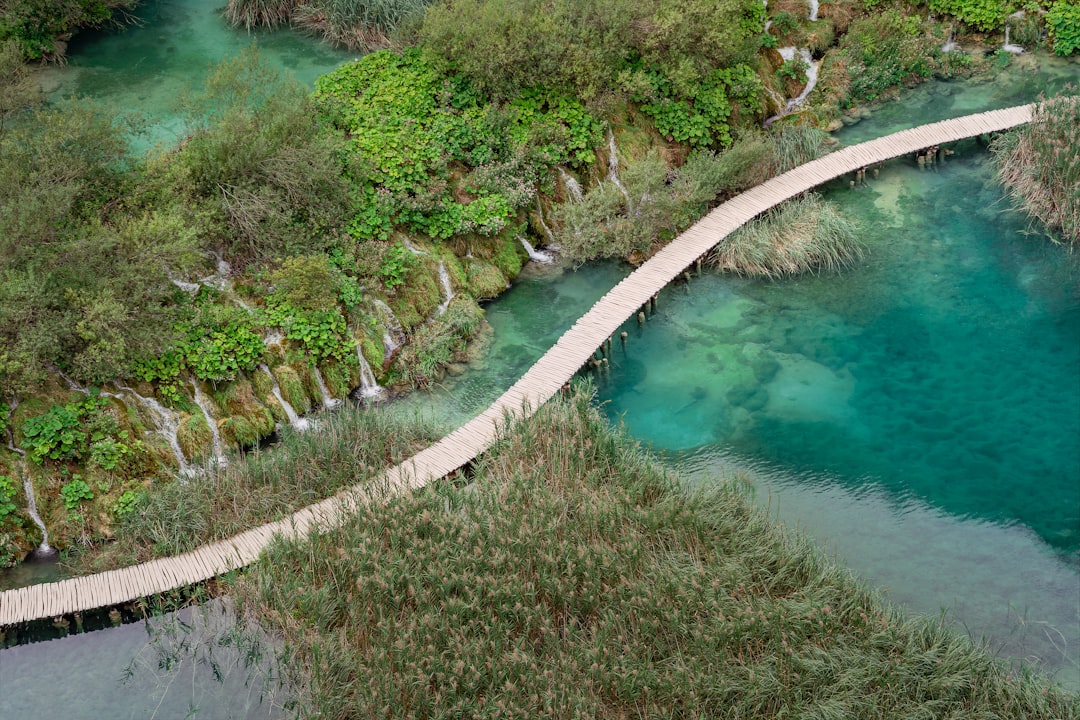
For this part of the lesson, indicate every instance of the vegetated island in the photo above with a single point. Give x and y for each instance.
(570, 575)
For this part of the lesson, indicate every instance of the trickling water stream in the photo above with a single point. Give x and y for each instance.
(613, 171)
(295, 420)
(215, 434)
(534, 254)
(369, 387)
(329, 401)
(166, 422)
(447, 288)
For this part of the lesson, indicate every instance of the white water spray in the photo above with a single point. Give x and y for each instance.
(167, 423)
(812, 15)
(31, 509)
(534, 254)
(1009, 47)
(812, 68)
(329, 401)
(393, 332)
(540, 215)
(301, 424)
(200, 400)
(369, 387)
(950, 41)
(448, 290)
(573, 187)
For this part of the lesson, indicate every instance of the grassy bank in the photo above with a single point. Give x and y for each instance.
(573, 577)
(1040, 165)
(346, 448)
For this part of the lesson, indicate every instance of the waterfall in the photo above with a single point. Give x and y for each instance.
(788, 53)
(534, 254)
(369, 387)
(393, 332)
(573, 187)
(272, 338)
(295, 420)
(812, 15)
(613, 170)
(43, 550)
(187, 287)
(200, 400)
(1009, 47)
(950, 41)
(412, 248)
(448, 291)
(167, 422)
(540, 215)
(329, 401)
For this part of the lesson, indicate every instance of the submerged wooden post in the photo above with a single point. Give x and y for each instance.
(622, 338)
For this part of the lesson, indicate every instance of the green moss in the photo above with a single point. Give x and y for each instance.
(508, 256)
(341, 376)
(239, 432)
(484, 279)
(308, 382)
(262, 385)
(292, 388)
(373, 353)
(194, 437)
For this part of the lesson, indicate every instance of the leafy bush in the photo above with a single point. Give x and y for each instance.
(37, 25)
(75, 492)
(1063, 26)
(986, 15)
(395, 265)
(884, 51)
(56, 435)
(7, 497)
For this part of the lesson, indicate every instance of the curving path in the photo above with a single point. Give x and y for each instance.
(535, 387)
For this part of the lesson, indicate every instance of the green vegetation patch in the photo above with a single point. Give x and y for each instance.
(573, 578)
(1040, 165)
(801, 235)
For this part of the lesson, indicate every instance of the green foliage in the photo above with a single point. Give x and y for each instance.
(37, 25)
(77, 431)
(578, 49)
(794, 69)
(75, 492)
(395, 265)
(108, 452)
(126, 503)
(436, 343)
(8, 491)
(887, 50)
(303, 301)
(1063, 26)
(219, 342)
(985, 15)
(56, 435)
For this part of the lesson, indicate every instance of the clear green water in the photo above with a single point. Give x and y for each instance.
(146, 68)
(920, 413)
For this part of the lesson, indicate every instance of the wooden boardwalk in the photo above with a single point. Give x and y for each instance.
(539, 384)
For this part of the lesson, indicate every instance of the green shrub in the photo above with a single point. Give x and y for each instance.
(885, 51)
(7, 498)
(1063, 26)
(75, 492)
(985, 15)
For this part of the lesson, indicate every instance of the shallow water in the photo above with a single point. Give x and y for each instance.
(188, 664)
(148, 67)
(919, 412)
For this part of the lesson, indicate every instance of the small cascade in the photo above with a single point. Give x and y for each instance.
(188, 287)
(167, 423)
(613, 170)
(950, 41)
(44, 550)
(329, 401)
(812, 15)
(812, 68)
(200, 400)
(72, 385)
(369, 387)
(220, 278)
(1009, 47)
(295, 420)
(534, 254)
(780, 100)
(412, 248)
(448, 290)
(540, 214)
(393, 332)
(573, 187)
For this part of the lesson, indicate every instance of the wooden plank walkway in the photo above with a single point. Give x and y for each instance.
(535, 387)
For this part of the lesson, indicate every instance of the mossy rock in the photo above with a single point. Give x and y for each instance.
(373, 353)
(308, 382)
(292, 388)
(454, 269)
(484, 279)
(242, 401)
(509, 256)
(341, 376)
(238, 431)
(194, 436)
(263, 385)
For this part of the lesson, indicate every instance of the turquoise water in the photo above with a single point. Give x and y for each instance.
(920, 412)
(147, 67)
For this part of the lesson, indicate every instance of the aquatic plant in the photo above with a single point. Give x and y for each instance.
(573, 577)
(1040, 165)
(801, 235)
(250, 14)
(357, 24)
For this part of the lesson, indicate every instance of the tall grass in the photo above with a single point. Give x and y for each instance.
(574, 578)
(347, 447)
(1040, 165)
(250, 14)
(357, 24)
(801, 235)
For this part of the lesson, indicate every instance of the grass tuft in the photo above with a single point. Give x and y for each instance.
(802, 235)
